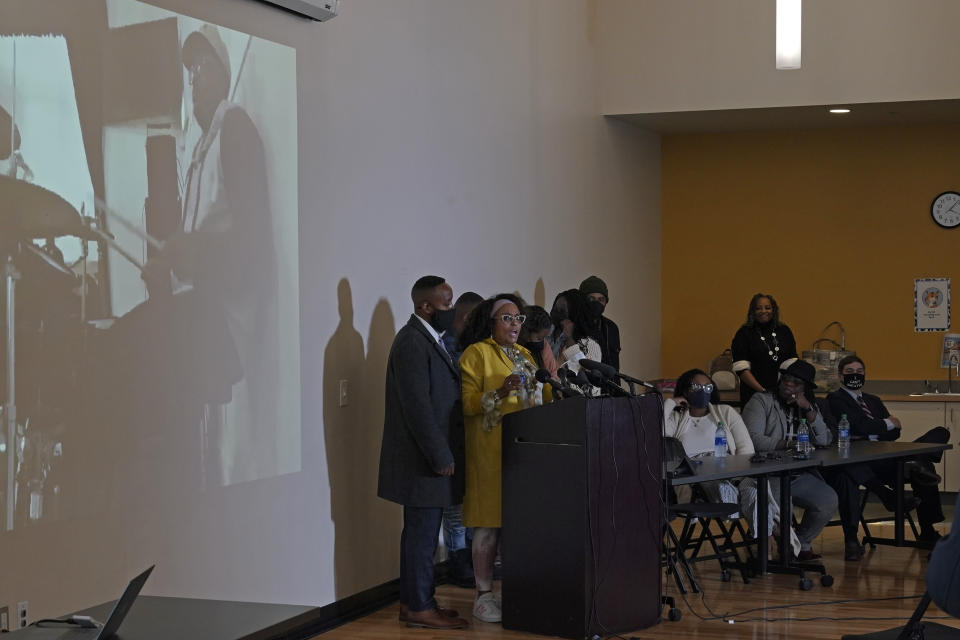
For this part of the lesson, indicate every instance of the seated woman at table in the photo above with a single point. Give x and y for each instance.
(491, 389)
(692, 417)
(773, 420)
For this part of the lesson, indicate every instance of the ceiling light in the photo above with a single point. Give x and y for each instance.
(839, 110)
(789, 13)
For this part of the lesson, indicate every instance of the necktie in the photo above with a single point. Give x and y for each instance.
(863, 406)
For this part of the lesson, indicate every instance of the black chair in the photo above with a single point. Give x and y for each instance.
(868, 538)
(699, 517)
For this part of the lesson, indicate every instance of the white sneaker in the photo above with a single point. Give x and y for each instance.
(486, 608)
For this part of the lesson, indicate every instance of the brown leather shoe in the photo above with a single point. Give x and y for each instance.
(435, 619)
(448, 613)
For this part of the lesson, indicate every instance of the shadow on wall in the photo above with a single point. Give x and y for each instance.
(364, 525)
(384, 519)
(540, 294)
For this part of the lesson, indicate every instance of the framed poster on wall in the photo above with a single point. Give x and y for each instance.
(931, 304)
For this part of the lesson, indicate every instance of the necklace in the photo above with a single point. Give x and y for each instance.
(696, 419)
(512, 353)
(773, 349)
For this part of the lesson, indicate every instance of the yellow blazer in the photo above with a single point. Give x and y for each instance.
(483, 366)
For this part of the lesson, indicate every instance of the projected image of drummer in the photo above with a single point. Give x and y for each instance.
(148, 232)
(225, 249)
(214, 279)
(206, 337)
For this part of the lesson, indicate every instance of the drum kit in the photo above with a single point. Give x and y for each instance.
(49, 327)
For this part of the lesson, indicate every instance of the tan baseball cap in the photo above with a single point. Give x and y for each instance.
(206, 38)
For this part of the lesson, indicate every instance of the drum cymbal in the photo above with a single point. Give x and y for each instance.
(5, 146)
(29, 211)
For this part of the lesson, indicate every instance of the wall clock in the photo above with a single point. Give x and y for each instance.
(945, 209)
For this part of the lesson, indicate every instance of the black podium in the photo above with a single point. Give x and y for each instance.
(582, 516)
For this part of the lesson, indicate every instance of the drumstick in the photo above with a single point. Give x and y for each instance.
(116, 246)
(129, 226)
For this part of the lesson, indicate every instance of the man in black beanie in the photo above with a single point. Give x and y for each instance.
(600, 328)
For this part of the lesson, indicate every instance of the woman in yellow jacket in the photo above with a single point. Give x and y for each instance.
(492, 387)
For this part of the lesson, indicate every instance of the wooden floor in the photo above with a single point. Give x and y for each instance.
(884, 573)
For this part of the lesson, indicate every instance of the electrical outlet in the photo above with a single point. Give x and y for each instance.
(343, 401)
(22, 614)
(4, 618)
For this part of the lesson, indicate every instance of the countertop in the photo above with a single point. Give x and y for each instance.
(887, 390)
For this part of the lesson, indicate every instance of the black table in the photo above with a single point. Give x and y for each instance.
(865, 451)
(156, 618)
(738, 466)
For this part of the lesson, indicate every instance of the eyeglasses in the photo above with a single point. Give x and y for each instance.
(508, 319)
(701, 387)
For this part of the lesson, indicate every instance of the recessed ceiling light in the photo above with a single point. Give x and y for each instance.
(839, 110)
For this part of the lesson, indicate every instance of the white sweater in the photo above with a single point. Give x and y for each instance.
(678, 423)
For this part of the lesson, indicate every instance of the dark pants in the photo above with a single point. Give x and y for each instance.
(418, 544)
(929, 510)
(846, 481)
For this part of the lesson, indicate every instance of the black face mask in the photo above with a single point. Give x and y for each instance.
(853, 380)
(535, 347)
(698, 399)
(442, 319)
(595, 308)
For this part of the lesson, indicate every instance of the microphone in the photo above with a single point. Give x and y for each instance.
(611, 373)
(597, 379)
(605, 377)
(580, 379)
(642, 383)
(544, 376)
(605, 370)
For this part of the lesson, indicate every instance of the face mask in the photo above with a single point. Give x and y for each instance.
(442, 319)
(853, 380)
(535, 347)
(698, 399)
(595, 308)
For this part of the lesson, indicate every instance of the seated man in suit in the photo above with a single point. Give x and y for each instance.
(773, 420)
(869, 419)
(846, 480)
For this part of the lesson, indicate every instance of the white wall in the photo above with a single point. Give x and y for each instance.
(453, 137)
(693, 55)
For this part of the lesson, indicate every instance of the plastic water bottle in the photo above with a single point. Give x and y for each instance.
(520, 370)
(803, 438)
(720, 441)
(843, 436)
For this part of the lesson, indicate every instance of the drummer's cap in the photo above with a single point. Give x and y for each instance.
(206, 38)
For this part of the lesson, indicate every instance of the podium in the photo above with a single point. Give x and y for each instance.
(582, 516)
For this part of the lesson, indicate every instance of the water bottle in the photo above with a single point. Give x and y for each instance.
(720, 441)
(803, 438)
(843, 436)
(520, 370)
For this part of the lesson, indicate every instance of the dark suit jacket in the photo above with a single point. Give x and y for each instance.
(860, 425)
(423, 422)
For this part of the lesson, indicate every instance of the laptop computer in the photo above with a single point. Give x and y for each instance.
(63, 630)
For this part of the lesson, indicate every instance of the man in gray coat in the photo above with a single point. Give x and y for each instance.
(422, 454)
(772, 420)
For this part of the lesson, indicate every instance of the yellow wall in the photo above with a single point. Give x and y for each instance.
(834, 223)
